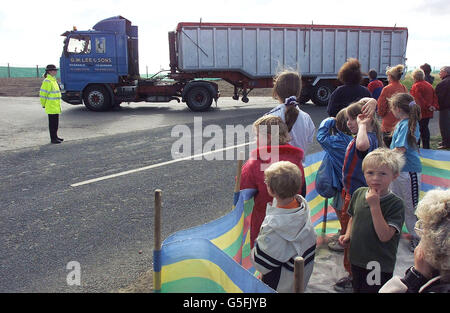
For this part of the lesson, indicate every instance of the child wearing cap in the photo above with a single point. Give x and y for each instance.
(286, 232)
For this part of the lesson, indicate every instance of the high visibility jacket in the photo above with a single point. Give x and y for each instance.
(50, 95)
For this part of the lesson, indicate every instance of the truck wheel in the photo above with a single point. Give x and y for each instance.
(97, 98)
(321, 93)
(198, 99)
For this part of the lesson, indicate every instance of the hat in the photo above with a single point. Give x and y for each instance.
(50, 67)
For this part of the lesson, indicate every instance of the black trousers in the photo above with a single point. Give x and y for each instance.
(360, 284)
(53, 123)
(444, 117)
(424, 133)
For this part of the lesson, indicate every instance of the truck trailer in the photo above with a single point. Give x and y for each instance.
(100, 67)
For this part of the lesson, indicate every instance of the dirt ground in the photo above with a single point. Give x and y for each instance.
(29, 87)
(20, 87)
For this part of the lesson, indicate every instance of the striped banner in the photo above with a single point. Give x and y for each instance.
(230, 233)
(317, 202)
(435, 169)
(197, 265)
(215, 257)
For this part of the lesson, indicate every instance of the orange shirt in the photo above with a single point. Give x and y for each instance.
(388, 119)
(291, 205)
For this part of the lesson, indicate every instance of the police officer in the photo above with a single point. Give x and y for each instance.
(50, 96)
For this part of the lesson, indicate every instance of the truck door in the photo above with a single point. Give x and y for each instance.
(87, 59)
(76, 66)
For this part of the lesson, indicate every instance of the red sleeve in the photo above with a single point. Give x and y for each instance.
(248, 180)
(382, 106)
(418, 93)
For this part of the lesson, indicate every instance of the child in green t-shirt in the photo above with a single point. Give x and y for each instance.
(376, 220)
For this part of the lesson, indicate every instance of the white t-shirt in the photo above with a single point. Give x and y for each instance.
(302, 132)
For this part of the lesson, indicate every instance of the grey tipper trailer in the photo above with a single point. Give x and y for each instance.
(249, 55)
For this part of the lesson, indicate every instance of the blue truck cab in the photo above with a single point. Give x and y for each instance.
(94, 62)
(100, 68)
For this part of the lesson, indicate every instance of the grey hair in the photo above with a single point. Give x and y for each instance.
(446, 69)
(433, 212)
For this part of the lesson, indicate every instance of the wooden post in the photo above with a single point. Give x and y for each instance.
(157, 243)
(9, 71)
(37, 71)
(299, 266)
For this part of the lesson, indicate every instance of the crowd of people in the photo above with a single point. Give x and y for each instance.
(375, 170)
(371, 139)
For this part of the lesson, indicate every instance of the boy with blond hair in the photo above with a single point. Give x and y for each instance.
(286, 232)
(376, 220)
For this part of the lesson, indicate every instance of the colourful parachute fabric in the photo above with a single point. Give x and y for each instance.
(215, 257)
(435, 170)
(197, 265)
(230, 233)
(317, 202)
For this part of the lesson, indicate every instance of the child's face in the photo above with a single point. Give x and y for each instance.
(352, 124)
(379, 177)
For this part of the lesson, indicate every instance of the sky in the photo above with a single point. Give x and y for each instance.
(30, 33)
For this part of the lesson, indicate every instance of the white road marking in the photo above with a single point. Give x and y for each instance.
(94, 180)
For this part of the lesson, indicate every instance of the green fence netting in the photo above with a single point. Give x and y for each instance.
(16, 72)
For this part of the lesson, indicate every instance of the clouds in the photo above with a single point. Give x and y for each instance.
(32, 32)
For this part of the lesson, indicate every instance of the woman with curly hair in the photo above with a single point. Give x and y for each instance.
(431, 270)
(350, 75)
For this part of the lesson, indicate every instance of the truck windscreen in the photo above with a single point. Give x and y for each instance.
(79, 45)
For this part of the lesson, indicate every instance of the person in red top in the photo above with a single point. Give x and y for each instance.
(426, 98)
(272, 146)
(388, 119)
(375, 85)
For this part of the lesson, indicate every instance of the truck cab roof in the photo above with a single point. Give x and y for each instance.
(116, 24)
